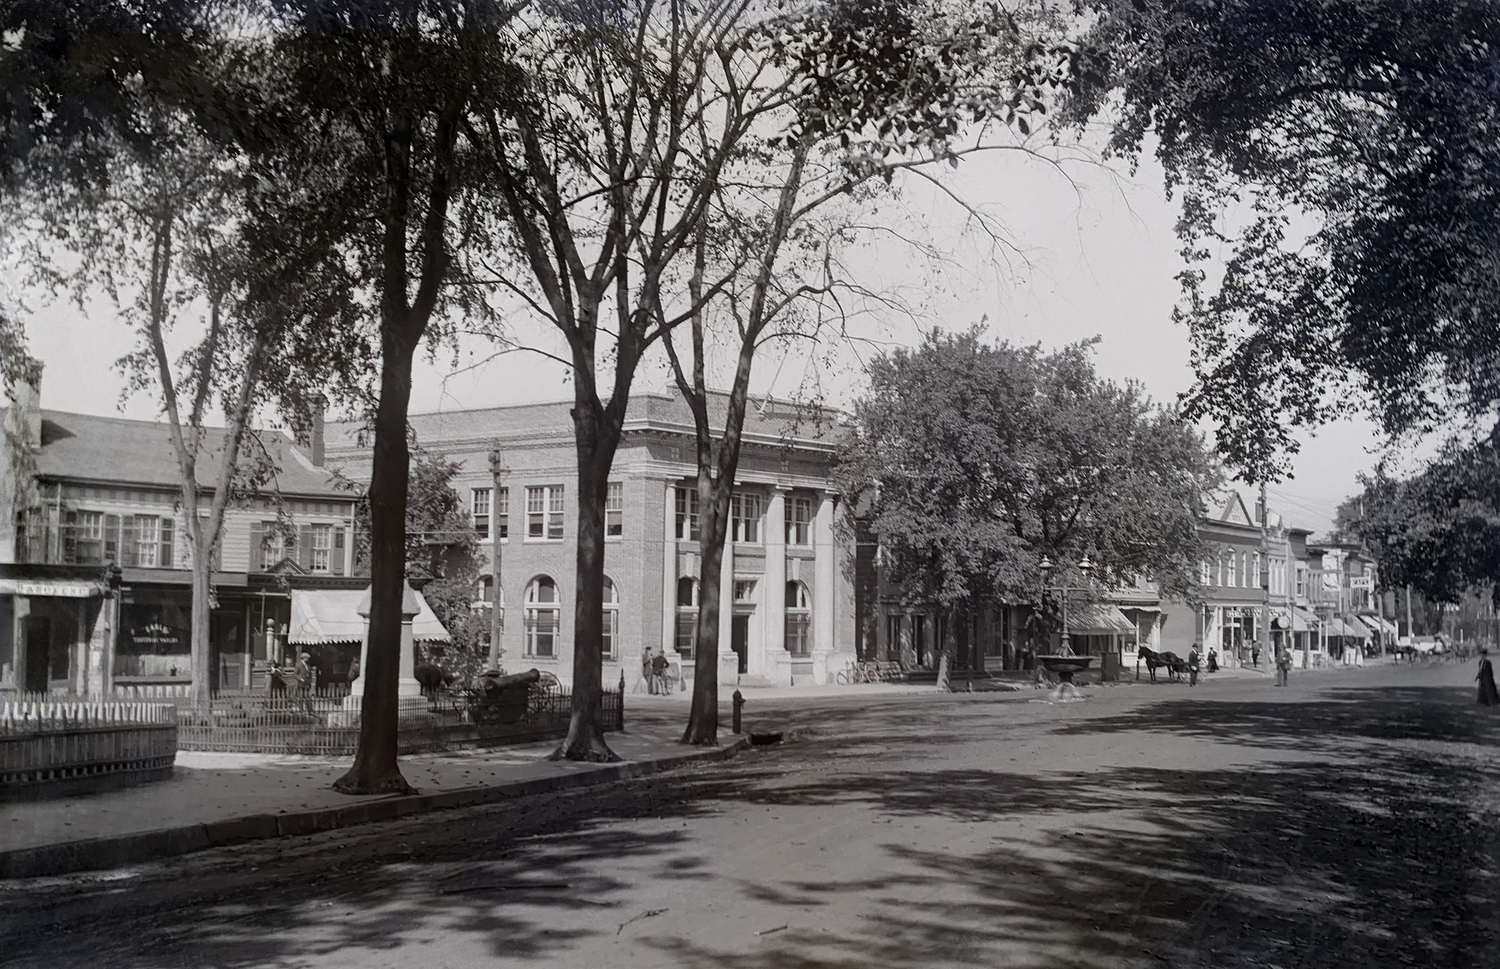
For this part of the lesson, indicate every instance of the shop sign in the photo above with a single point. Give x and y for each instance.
(153, 636)
(41, 587)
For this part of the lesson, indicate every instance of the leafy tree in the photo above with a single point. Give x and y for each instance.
(369, 112)
(914, 84)
(972, 462)
(639, 116)
(442, 553)
(157, 232)
(1345, 156)
(1438, 531)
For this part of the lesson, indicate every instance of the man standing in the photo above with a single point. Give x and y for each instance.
(1283, 665)
(659, 666)
(1192, 663)
(647, 673)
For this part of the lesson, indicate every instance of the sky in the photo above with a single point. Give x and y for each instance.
(1089, 252)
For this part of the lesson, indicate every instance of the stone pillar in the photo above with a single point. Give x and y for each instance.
(729, 661)
(823, 589)
(407, 686)
(669, 574)
(778, 663)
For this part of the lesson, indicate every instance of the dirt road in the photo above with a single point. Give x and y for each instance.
(1348, 821)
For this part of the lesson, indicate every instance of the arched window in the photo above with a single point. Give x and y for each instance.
(610, 641)
(542, 617)
(798, 620)
(687, 615)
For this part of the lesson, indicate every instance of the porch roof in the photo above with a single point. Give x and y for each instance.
(332, 616)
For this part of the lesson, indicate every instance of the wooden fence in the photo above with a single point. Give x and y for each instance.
(58, 747)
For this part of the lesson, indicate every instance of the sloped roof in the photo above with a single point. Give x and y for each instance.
(129, 452)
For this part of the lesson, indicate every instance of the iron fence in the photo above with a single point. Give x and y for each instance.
(329, 726)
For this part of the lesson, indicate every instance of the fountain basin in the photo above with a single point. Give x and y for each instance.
(1066, 666)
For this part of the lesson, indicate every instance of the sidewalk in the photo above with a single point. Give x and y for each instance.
(218, 799)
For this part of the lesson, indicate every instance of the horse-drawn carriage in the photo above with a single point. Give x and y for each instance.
(1175, 665)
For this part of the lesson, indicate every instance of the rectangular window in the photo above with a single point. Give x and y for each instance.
(687, 514)
(1205, 573)
(147, 540)
(1230, 578)
(1258, 581)
(544, 513)
(614, 510)
(687, 624)
(502, 515)
(611, 632)
(1301, 582)
(541, 632)
(744, 513)
(798, 634)
(799, 521)
(744, 590)
(88, 534)
(322, 547)
(479, 509)
(272, 547)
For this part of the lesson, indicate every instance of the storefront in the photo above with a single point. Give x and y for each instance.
(53, 631)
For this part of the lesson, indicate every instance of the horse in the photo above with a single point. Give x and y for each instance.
(1175, 664)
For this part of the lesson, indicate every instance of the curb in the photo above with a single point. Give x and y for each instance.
(111, 852)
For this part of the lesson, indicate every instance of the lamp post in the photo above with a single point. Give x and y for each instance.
(1084, 566)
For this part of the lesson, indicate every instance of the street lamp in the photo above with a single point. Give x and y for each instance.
(1084, 566)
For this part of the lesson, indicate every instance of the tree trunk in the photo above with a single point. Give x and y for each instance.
(596, 441)
(202, 589)
(703, 718)
(375, 770)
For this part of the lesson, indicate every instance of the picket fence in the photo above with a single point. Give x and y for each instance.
(69, 745)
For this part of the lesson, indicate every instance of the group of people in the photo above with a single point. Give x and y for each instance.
(1194, 661)
(656, 671)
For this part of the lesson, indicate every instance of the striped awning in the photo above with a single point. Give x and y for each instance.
(1098, 619)
(332, 616)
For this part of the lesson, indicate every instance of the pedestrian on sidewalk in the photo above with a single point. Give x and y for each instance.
(1486, 677)
(1283, 665)
(647, 676)
(659, 666)
(1213, 661)
(1193, 665)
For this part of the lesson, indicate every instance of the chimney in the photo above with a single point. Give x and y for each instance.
(23, 418)
(319, 409)
(311, 439)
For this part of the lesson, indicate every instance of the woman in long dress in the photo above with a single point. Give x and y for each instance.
(1488, 696)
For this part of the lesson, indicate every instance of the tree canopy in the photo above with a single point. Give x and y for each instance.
(1438, 531)
(973, 461)
(1342, 159)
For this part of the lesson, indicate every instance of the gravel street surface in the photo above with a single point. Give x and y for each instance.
(1350, 820)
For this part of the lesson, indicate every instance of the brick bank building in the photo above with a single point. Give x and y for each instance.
(787, 616)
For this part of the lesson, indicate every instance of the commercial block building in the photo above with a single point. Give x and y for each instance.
(786, 616)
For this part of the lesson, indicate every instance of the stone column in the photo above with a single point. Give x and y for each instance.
(778, 664)
(729, 661)
(669, 573)
(407, 686)
(823, 589)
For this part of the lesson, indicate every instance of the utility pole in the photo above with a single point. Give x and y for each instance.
(497, 591)
(1265, 576)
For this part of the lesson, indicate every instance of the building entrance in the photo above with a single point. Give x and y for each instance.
(38, 654)
(739, 640)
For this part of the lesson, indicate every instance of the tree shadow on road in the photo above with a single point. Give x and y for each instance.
(1375, 846)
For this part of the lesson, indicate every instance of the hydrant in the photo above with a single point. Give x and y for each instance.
(739, 704)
